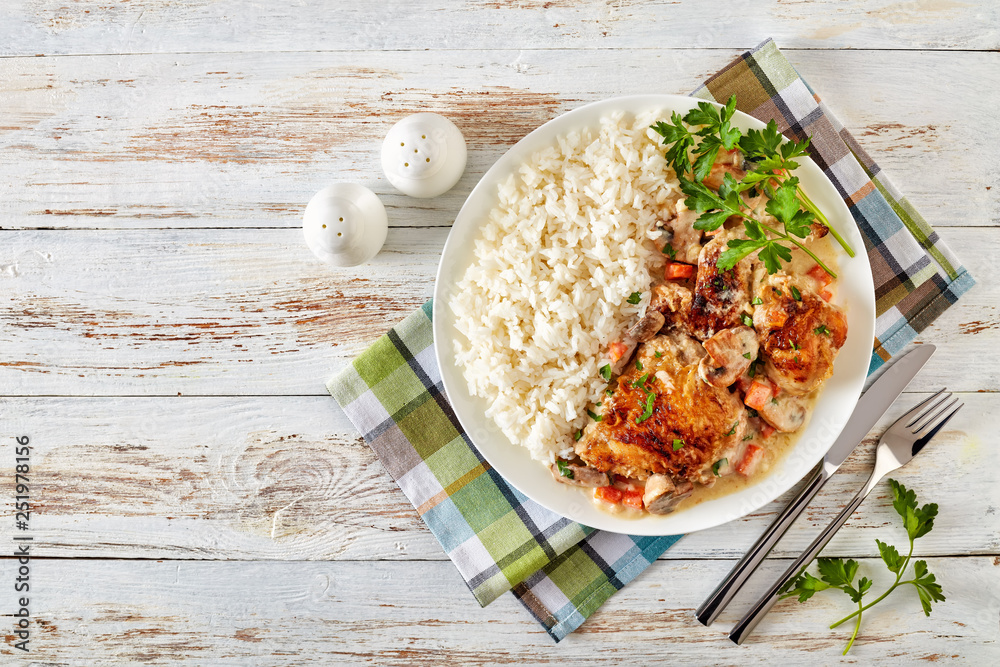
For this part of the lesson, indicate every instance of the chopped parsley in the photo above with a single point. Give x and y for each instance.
(733, 429)
(564, 469)
(774, 401)
(641, 381)
(747, 320)
(669, 251)
(658, 354)
(748, 437)
(746, 355)
(650, 398)
(638, 365)
(796, 294)
(777, 291)
(578, 435)
(606, 372)
(795, 346)
(718, 464)
(821, 330)
(593, 415)
(678, 443)
(635, 297)
(609, 392)
(757, 301)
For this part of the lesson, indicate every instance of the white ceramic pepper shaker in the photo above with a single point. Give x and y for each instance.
(345, 224)
(423, 155)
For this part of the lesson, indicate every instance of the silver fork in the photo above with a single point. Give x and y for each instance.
(904, 440)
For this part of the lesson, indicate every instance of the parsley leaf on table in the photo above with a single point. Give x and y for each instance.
(840, 573)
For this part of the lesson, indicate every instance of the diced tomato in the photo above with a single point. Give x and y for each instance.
(617, 349)
(766, 430)
(609, 494)
(633, 499)
(678, 271)
(821, 276)
(826, 294)
(758, 394)
(753, 455)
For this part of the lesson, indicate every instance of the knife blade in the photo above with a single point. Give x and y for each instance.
(871, 406)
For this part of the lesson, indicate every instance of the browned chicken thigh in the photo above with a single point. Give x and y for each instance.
(800, 333)
(663, 419)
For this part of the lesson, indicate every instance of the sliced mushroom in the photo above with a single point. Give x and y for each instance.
(785, 412)
(730, 353)
(647, 326)
(581, 476)
(663, 495)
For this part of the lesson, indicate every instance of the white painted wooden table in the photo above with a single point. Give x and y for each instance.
(165, 333)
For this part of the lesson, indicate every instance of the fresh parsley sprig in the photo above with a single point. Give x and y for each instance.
(715, 132)
(838, 573)
(774, 159)
(694, 151)
(716, 208)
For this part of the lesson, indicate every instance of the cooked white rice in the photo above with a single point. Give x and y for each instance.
(568, 242)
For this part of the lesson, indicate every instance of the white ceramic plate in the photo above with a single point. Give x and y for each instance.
(835, 405)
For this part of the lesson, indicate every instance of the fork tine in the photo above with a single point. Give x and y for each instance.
(931, 415)
(919, 444)
(925, 424)
(913, 415)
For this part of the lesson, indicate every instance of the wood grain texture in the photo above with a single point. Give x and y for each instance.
(252, 312)
(182, 612)
(54, 27)
(290, 478)
(244, 140)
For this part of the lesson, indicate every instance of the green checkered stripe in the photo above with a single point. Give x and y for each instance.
(916, 275)
(497, 538)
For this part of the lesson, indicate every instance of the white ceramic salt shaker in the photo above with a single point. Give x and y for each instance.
(345, 224)
(423, 155)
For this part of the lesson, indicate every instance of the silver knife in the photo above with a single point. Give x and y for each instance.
(871, 406)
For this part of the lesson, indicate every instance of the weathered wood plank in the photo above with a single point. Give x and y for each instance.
(53, 27)
(281, 613)
(290, 478)
(245, 140)
(238, 312)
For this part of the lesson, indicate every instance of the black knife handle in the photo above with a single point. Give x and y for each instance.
(731, 585)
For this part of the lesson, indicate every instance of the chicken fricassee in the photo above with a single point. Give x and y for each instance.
(709, 387)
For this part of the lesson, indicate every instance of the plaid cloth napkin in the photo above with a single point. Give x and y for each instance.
(496, 537)
(562, 571)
